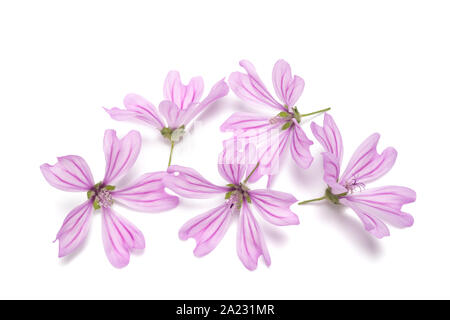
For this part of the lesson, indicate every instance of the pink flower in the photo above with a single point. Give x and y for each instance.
(373, 206)
(271, 135)
(71, 173)
(180, 106)
(210, 227)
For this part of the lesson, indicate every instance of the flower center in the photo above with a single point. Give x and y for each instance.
(354, 185)
(101, 195)
(236, 196)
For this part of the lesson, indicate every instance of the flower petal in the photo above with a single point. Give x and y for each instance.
(232, 162)
(171, 113)
(300, 147)
(274, 206)
(288, 89)
(120, 154)
(249, 86)
(137, 109)
(329, 137)
(182, 95)
(188, 183)
(146, 194)
(240, 121)
(207, 229)
(366, 164)
(219, 90)
(119, 237)
(250, 240)
(331, 173)
(70, 173)
(381, 204)
(74, 228)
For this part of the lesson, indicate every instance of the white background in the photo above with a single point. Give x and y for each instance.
(383, 66)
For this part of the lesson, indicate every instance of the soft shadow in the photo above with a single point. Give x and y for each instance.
(274, 234)
(350, 226)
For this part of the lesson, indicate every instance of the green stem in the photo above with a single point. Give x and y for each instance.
(315, 112)
(253, 171)
(171, 151)
(308, 201)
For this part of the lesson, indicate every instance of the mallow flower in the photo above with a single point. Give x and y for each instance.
(181, 104)
(209, 228)
(72, 173)
(373, 206)
(271, 135)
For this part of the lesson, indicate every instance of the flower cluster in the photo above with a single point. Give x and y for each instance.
(255, 150)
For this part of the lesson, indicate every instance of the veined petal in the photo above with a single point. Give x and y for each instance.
(182, 95)
(249, 86)
(366, 164)
(329, 137)
(70, 173)
(74, 228)
(232, 162)
(146, 194)
(300, 146)
(376, 205)
(274, 206)
(207, 229)
(219, 90)
(331, 173)
(120, 154)
(288, 89)
(240, 121)
(119, 237)
(137, 109)
(171, 113)
(250, 240)
(188, 183)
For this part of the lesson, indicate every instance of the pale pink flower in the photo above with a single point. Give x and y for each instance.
(180, 106)
(210, 227)
(373, 206)
(272, 135)
(71, 173)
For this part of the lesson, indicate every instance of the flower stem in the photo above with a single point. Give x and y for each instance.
(315, 112)
(312, 200)
(253, 171)
(171, 151)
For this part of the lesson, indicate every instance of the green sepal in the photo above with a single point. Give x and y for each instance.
(110, 188)
(90, 193)
(96, 205)
(283, 114)
(286, 107)
(248, 199)
(228, 194)
(287, 125)
(97, 185)
(230, 185)
(166, 132)
(177, 134)
(332, 197)
(297, 115)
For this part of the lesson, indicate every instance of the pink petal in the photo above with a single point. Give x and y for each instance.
(249, 87)
(171, 113)
(300, 147)
(240, 121)
(380, 204)
(119, 237)
(182, 95)
(233, 162)
(207, 229)
(331, 173)
(137, 109)
(288, 89)
(74, 228)
(120, 154)
(366, 164)
(250, 240)
(329, 137)
(274, 206)
(146, 194)
(219, 90)
(70, 173)
(188, 183)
